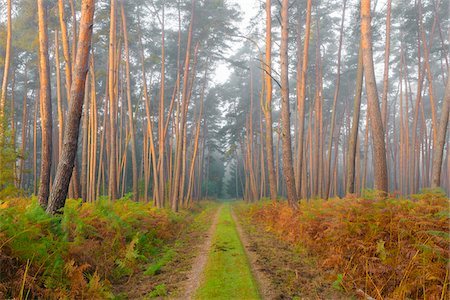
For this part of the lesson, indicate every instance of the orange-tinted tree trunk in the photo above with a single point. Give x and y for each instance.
(379, 155)
(45, 106)
(288, 169)
(60, 188)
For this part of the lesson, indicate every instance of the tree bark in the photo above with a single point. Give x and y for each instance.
(182, 118)
(386, 66)
(45, 106)
(285, 112)
(333, 109)
(71, 131)
(130, 106)
(112, 177)
(350, 189)
(267, 109)
(438, 149)
(301, 90)
(6, 69)
(379, 159)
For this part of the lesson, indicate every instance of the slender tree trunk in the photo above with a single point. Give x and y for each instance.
(161, 136)
(335, 97)
(112, 177)
(438, 149)
(58, 95)
(84, 147)
(93, 134)
(35, 178)
(71, 131)
(6, 69)
(386, 66)
(177, 193)
(355, 126)
(379, 159)
(130, 106)
(301, 90)
(45, 106)
(288, 169)
(267, 109)
(24, 129)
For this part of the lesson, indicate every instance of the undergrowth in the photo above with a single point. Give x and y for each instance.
(81, 253)
(391, 249)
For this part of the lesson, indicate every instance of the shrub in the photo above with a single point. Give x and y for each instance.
(79, 253)
(392, 249)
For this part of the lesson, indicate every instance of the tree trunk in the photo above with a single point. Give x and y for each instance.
(161, 137)
(84, 147)
(386, 66)
(112, 177)
(24, 130)
(333, 109)
(350, 189)
(6, 69)
(285, 112)
(379, 157)
(301, 89)
(267, 109)
(179, 149)
(45, 106)
(130, 106)
(438, 149)
(71, 131)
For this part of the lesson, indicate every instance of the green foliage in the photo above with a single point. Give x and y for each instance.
(337, 284)
(8, 158)
(159, 291)
(155, 267)
(79, 253)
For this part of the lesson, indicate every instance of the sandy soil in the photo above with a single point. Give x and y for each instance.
(194, 277)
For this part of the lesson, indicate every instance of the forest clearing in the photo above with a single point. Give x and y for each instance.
(224, 149)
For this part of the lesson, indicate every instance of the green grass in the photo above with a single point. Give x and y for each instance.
(227, 273)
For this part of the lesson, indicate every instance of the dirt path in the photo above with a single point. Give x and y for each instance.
(195, 275)
(265, 286)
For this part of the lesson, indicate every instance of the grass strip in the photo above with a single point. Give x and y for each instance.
(227, 273)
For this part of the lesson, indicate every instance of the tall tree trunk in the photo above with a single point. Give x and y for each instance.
(161, 137)
(130, 106)
(45, 106)
(179, 149)
(386, 66)
(24, 129)
(68, 71)
(71, 130)
(58, 95)
(84, 147)
(267, 109)
(438, 149)
(6, 69)
(288, 169)
(350, 189)
(301, 90)
(333, 109)
(93, 134)
(35, 178)
(379, 157)
(112, 177)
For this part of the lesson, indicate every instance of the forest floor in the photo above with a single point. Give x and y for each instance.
(337, 249)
